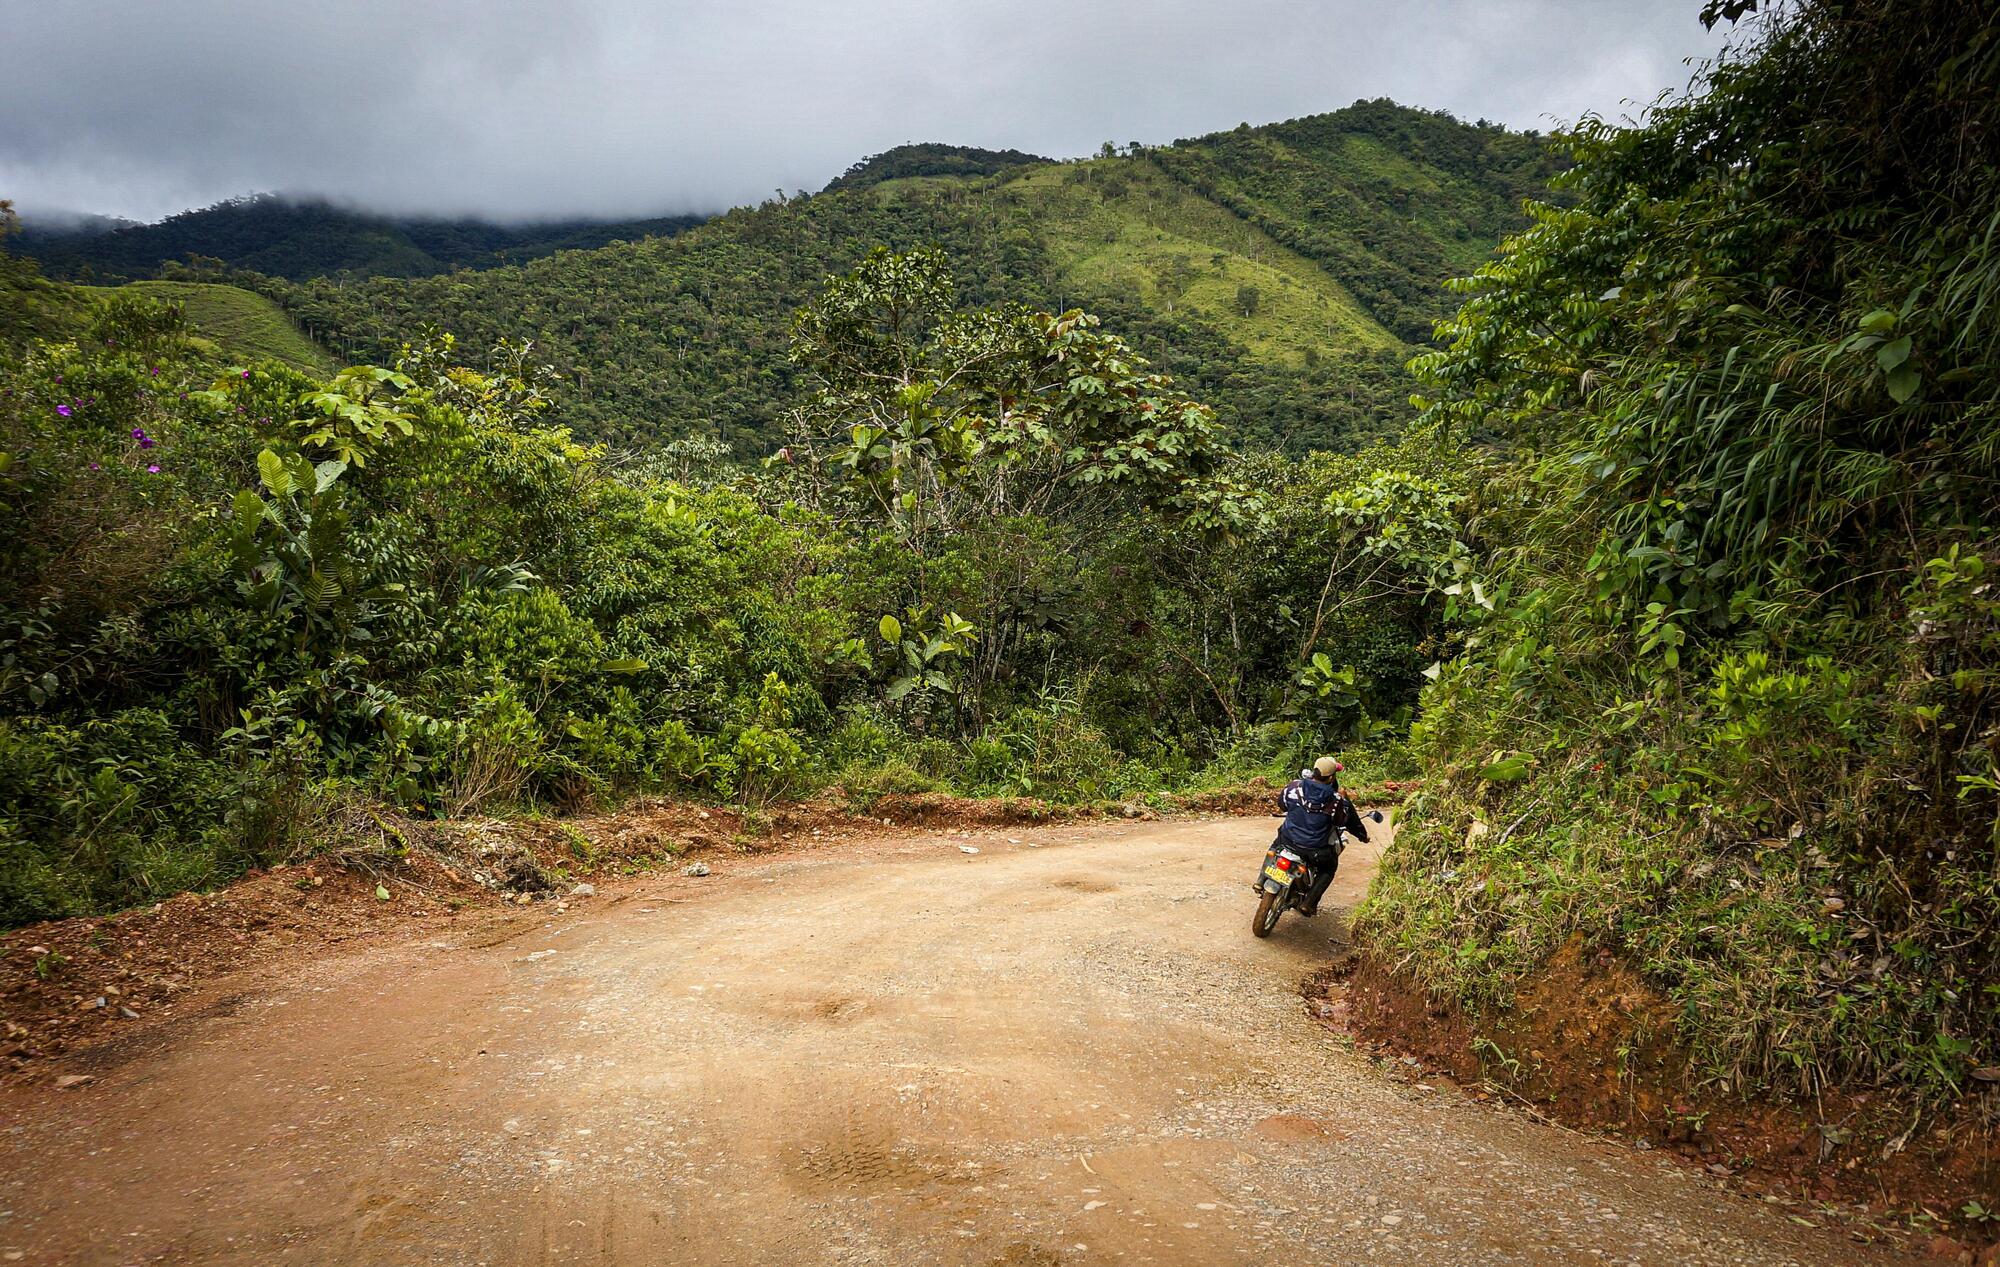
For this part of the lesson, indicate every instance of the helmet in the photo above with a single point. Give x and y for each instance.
(1328, 767)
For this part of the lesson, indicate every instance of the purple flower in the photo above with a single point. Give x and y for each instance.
(93, 466)
(246, 373)
(156, 371)
(154, 469)
(138, 433)
(146, 442)
(63, 410)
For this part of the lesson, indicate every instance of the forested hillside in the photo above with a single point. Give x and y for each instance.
(423, 591)
(301, 238)
(1290, 314)
(222, 321)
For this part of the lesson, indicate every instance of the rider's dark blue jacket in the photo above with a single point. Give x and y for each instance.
(1312, 810)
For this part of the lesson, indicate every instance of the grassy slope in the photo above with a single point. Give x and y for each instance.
(1118, 226)
(1428, 198)
(1389, 200)
(239, 323)
(32, 307)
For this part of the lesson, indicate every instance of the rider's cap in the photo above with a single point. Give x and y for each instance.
(1328, 767)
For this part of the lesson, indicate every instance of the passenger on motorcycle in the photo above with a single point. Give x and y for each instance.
(1313, 806)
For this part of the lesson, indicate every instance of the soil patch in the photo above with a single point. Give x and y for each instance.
(938, 809)
(99, 984)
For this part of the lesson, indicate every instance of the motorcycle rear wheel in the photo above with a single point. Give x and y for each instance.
(1268, 910)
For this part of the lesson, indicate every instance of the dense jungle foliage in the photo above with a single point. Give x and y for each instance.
(1726, 703)
(1003, 555)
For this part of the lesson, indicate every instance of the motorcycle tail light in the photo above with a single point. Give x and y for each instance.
(1284, 864)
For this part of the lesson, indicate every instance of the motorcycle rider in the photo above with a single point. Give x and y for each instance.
(1313, 805)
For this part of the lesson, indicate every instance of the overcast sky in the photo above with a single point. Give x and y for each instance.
(523, 108)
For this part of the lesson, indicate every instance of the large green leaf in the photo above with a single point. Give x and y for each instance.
(271, 470)
(326, 473)
(1507, 769)
(249, 509)
(1903, 383)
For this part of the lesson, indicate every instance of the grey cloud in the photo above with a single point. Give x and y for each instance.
(521, 108)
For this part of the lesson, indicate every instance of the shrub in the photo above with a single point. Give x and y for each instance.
(112, 812)
(867, 782)
(498, 755)
(770, 764)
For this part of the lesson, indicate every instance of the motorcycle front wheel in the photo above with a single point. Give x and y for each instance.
(1268, 910)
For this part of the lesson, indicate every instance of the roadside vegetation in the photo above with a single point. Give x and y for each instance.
(1725, 706)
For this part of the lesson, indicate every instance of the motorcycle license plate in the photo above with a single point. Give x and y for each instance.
(1271, 872)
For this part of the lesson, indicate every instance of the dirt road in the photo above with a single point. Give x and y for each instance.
(1071, 1053)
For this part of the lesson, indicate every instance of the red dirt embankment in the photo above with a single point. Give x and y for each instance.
(1589, 1044)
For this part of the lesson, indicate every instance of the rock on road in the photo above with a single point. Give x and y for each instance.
(903, 1054)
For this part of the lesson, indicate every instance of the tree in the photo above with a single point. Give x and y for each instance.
(1174, 279)
(933, 416)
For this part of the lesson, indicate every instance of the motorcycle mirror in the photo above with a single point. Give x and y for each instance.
(1376, 815)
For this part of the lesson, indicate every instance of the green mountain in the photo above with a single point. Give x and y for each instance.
(930, 159)
(1282, 273)
(301, 238)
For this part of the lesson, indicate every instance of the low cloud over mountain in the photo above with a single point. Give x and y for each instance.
(524, 108)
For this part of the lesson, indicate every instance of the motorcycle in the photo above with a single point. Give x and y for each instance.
(1287, 879)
